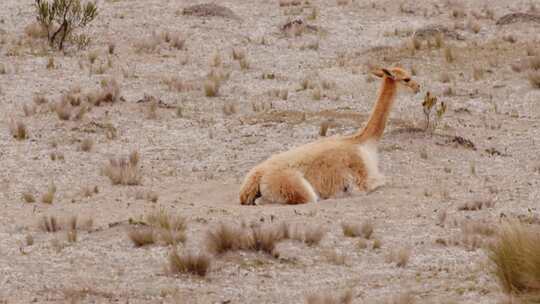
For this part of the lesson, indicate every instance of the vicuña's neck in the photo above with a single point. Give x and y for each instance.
(379, 116)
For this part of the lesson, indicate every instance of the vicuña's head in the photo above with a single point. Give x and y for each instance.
(399, 75)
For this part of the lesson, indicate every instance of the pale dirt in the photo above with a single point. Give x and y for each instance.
(196, 163)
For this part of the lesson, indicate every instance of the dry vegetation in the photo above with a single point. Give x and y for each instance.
(190, 263)
(124, 170)
(515, 255)
(205, 91)
(160, 226)
(317, 298)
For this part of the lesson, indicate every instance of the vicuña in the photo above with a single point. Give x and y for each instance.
(331, 166)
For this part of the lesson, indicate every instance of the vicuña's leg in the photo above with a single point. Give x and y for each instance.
(370, 156)
(287, 187)
(250, 189)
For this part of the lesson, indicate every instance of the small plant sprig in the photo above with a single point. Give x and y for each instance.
(61, 17)
(431, 102)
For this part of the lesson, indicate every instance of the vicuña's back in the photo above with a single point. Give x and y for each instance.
(331, 166)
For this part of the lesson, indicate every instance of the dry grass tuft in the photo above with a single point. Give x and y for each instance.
(111, 47)
(260, 238)
(515, 255)
(177, 41)
(478, 73)
(72, 235)
(18, 130)
(534, 63)
(87, 144)
(509, 38)
(283, 3)
(223, 238)
(400, 257)
(263, 238)
(534, 79)
(63, 110)
(124, 171)
(229, 108)
(142, 236)
(40, 99)
(238, 54)
(312, 235)
(328, 298)
(29, 110)
(377, 244)
(449, 54)
(28, 197)
(110, 92)
(475, 205)
(162, 227)
(211, 87)
(439, 40)
(477, 227)
(317, 94)
(335, 257)
(165, 220)
(342, 2)
(364, 230)
(151, 111)
(415, 43)
(474, 26)
(197, 264)
(49, 224)
(404, 298)
(178, 84)
(323, 129)
(48, 197)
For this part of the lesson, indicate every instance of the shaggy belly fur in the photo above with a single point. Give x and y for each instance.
(322, 169)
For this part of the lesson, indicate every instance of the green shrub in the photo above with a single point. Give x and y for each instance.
(62, 17)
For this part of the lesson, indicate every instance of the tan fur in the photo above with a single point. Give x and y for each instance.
(328, 167)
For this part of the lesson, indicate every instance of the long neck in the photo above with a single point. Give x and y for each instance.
(378, 118)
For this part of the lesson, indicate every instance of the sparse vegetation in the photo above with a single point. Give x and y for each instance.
(49, 224)
(48, 196)
(28, 197)
(18, 130)
(124, 171)
(87, 144)
(431, 102)
(159, 226)
(364, 230)
(515, 256)
(449, 54)
(211, 87)
(400, 257)
(60, 18)
(191, 263)
(142, 236)
(534, 79)
(329, 298)
(263, 238)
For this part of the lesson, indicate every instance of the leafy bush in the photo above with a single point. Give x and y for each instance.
(431, 102)
(61, 18)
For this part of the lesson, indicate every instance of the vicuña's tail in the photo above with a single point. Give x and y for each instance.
(379, 116)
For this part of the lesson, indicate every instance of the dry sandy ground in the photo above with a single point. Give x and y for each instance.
(195, 162)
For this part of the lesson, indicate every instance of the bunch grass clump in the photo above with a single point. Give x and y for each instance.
(190, 263)
(122, 171)
(515, 256)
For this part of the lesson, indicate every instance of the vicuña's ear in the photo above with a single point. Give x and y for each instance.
(387, 73)
(382, 72)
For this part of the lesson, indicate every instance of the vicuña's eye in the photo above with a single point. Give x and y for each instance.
(407, 79)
